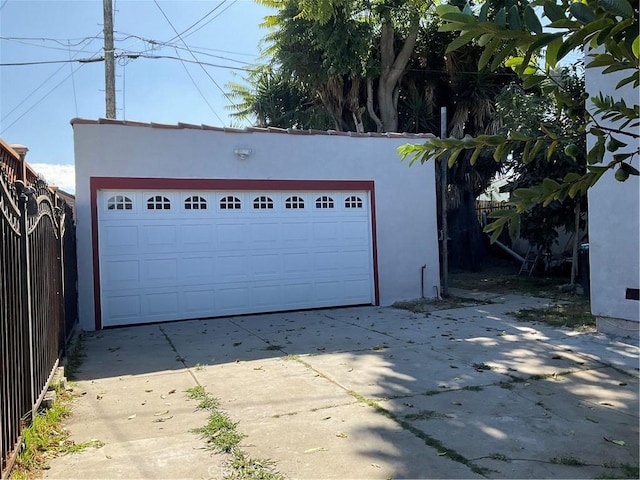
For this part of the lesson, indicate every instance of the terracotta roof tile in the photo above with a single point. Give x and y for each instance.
(291, 131)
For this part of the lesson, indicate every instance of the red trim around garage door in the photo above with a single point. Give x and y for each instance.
(104, 183)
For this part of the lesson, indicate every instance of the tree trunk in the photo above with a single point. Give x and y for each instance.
(391, 69)
(370, 108)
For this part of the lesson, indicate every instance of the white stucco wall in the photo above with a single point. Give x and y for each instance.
(405, 199)
(614, 227)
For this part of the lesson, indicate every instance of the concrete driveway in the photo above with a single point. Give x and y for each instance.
(361, 392)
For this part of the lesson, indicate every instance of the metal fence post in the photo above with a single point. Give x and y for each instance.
(26, 290)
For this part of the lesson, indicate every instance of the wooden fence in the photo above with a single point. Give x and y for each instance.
(37, 296)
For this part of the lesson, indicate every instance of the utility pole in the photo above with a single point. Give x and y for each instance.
(109, 61)
(443, 208)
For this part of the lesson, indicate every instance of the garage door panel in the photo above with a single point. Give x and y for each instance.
(295, 233)
(267, 266)
(198, 302)
(122, 309)
(296, 295)
(265, 234)
(231, 235)
(159, 271)
(296, 262)
(194, 269)
(162, 304)
(158, 237)
(266, 297)
(195, 237)
(354, 231)
(117, 236)
(355, 261)
(327, 232)
(231, 299)
(357, 290)
(231, 268)
(121, 274)
(160, 265)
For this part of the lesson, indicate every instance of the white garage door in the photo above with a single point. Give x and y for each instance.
(169, 255)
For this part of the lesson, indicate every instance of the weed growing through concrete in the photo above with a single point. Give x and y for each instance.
(426, 415)
(46, 438)
(567, 460)
(273, 347)
(74, 358)
(482, 366)
(574, 315)
(473, 388)
(222, 436)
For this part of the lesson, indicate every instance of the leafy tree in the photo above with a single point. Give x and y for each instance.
(325, 58)
(524, 111)
(608, 29)
(371, 41)
(277, 100)
(453, 81)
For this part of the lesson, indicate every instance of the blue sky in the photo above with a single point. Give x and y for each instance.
(38, 101)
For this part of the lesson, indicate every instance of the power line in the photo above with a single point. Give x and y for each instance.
(194, 57)
(61, 41)
(51, 62)
(43, 97)
(66, 49)
(36, 89)
(211, 19)
(3, 4)
(182, 34)
(158, 42)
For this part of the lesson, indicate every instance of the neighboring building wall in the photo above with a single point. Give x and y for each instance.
(405, 199)
(614, 230)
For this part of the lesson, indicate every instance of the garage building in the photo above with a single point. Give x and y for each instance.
(184, 221)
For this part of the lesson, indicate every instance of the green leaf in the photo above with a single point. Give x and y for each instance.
(534, 151)
(461, 41)
(596, 154)
(532, 21)
(445, 8)
(620, 8)
(551, 55)
(454, 157)
(518, 136)
(614, 144)
(501, 17)
(553, 12)
(499, 152)
(630, 169)
(514, 18)
(582, 12)
(533, 80)
(499, 57)
(484, 39)
(636, 46)
(458, 17)
(551, 149)
(475, 155)
(483, 12)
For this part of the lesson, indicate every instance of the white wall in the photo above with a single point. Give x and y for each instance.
(614, 228)
(404, 197)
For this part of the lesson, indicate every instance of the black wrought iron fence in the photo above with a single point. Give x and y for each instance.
(37, 292)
